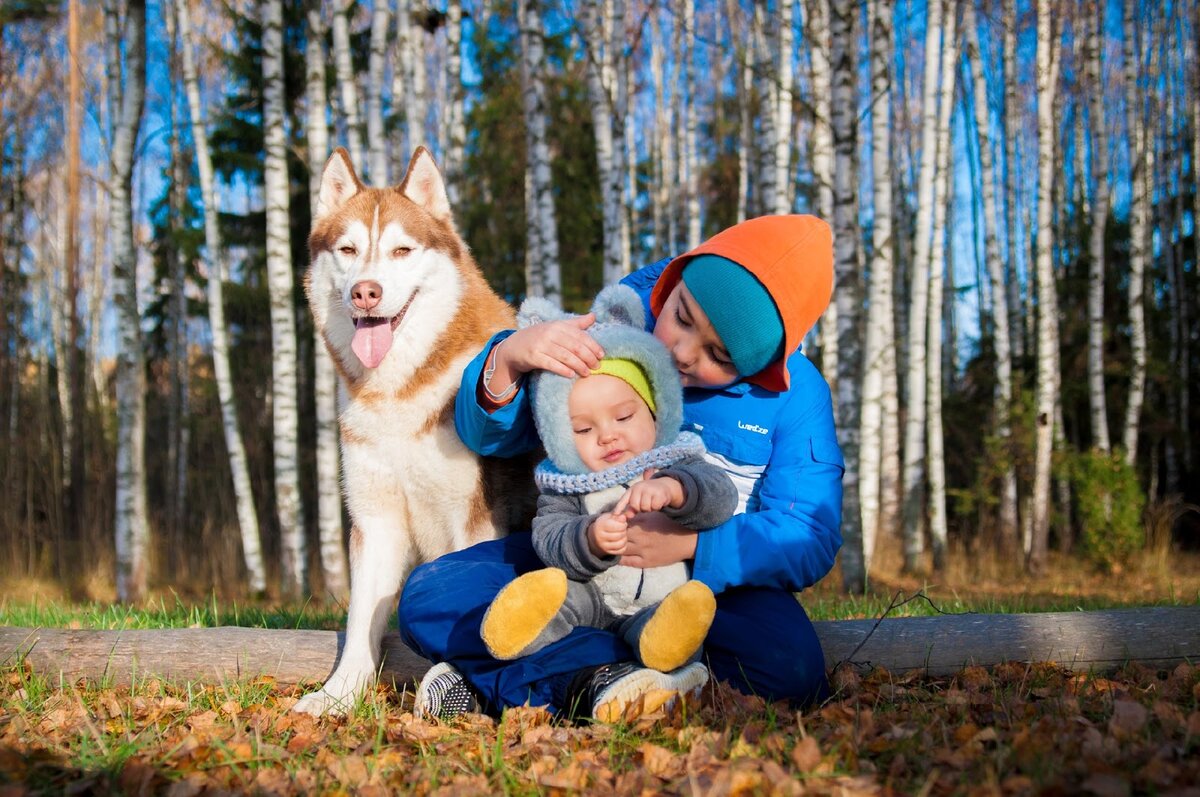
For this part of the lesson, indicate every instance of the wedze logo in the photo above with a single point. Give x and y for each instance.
(752, 427)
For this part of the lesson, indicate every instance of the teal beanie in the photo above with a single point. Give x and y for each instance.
(741, 310)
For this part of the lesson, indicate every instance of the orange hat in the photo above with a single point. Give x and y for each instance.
(792, 256)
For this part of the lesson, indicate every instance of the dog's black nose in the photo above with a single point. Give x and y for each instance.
(366, 294)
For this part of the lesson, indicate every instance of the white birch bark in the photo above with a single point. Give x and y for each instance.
(214, 255)
(128, 92)
(691, 123)
(995, 269)
(1138, 229)
(596, 46)
(1099, 163)
(330, 532)
(377, 143)
(456, 131)
(1047, 300)
(822, 163)
(346, 79)
(285, 420)
(782, 201)
(743, 75)
(880, 330)
(410, 48)
(1012, 127)
(541, 222)
(848, 292)
(914, 427)
(660, 142)
(934, 384)
(767, 79)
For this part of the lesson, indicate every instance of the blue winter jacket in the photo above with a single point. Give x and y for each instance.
(780, 449)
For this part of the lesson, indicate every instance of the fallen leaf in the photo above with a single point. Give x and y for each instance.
(806, 754)
(1104, 785)
(1128, 719)
(661, 762)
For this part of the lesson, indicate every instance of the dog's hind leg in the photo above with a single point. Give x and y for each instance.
(379, 557)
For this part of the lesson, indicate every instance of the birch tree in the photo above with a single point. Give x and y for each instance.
(540, 220)
(456, 131)
(1001, 338)
(215, 257)
(689, 152)
(74, 403)
(1100, 199)
(346, 79)
(843, 44)
(377, 143)
(1138, 224)
(934, 433)
(1047, 300)
(408, 87)
(330, 532)
(817, 26)
(598, 50)
(127, 93)
(284, 405)
(1011, 127)
(914, 427)
(880, 328)
(782, 202)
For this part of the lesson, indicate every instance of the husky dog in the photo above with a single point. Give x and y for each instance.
(402, 308)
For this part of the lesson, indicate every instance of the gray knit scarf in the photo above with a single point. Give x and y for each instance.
(550, 479)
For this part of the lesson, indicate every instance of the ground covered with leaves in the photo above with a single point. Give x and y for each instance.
(1011, 729)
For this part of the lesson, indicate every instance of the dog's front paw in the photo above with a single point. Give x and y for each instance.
(323, 703)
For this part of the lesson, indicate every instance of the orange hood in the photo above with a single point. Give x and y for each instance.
(792, 256)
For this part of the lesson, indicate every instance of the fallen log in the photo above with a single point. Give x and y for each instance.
(1101, 641)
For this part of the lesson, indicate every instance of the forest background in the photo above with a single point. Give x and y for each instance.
(1012, 185)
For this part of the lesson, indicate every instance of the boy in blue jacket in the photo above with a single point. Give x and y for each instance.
(732, 313)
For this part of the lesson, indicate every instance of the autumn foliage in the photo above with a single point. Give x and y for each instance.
(1011, 729)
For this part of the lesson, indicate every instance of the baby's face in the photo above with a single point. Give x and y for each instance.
(610, 421)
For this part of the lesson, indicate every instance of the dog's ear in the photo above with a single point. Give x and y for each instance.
(535, 310)
(338, 183)
(619, 304)
(423, 184)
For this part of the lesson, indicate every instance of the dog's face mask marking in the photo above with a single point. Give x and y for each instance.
(384, 261)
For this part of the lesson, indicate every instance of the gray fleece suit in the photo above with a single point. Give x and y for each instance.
(600, 592)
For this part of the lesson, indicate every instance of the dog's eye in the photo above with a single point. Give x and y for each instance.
(349, 250)
(401, 251)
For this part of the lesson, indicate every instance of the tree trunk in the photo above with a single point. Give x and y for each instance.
(1138, 223)
(744, 77)
(540, 220)
(918, 308)
(782, 202)
(822, 163)
(128, 93)
(1001, 335)
(1012, 126)
(661, 150)
(410, 74)
(377, 143)
(843, 45)
(346, 80)
(767, 82)
(284, 405)
(456, 131)
(934, 385)
(330, 532)
(1099, 164)
(598, 53)
(242, 490)
(1047, 299)
(690, 155)
(880, 330)
(72, 353)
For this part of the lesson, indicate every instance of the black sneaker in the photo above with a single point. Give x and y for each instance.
(444, 694)
(625, 691)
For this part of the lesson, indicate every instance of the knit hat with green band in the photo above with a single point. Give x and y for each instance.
(750, 327)
(631, 374)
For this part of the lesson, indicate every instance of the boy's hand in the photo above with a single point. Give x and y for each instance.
(606, 535)
(563, 347)
(651, 495)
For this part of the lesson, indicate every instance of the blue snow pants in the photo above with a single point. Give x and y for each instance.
(761, 640)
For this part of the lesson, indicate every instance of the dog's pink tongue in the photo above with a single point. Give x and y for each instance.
(372, 339)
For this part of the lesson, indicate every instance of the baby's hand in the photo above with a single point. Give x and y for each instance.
(606, 535)
(651, 495)
(563, 347)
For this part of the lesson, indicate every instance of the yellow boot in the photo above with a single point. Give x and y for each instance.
(522, 611)
(678, 627)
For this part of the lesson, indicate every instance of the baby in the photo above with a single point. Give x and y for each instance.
(615, 450)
